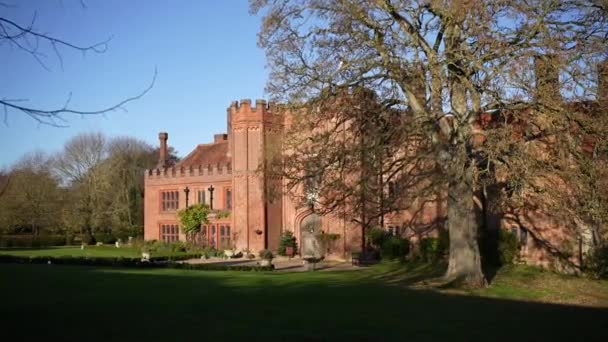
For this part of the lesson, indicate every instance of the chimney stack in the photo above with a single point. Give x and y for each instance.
(546, 70)
(163, 154)
(602, 85)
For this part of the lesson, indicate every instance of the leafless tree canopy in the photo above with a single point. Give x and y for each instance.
(442, 64)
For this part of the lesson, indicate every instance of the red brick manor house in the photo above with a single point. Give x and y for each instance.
(226, 175)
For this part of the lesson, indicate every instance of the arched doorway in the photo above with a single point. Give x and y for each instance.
(310, 227)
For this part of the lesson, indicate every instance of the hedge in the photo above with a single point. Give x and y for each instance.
(155, 262)
(216, 267)
(28, 241)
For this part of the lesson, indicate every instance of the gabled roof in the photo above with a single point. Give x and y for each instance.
(207, 154)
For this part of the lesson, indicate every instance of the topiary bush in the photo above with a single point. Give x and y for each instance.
(508, 247)
(105, 238)
(435, 249)
(266, 254)
(29, 241)
(597, 262)
(394, 247)
(429, 249)
(177, 246)
(376, 236)
(287, 240)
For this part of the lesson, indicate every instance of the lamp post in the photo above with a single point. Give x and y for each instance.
(187, 191)
(211, 188)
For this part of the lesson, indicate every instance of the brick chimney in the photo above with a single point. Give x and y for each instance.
(546, 70)
(163, 155)
(217, 138)
(602, 84)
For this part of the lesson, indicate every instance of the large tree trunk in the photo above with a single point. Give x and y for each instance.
(465, 259)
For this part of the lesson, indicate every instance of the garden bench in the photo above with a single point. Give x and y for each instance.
(362, 259)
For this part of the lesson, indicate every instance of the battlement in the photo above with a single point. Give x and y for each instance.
(201, 170)
(243, 107)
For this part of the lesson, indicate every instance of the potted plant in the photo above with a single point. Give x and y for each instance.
(266, 256)
(289, 251)
(287, 244)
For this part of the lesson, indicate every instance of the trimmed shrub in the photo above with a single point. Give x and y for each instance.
(156, 246)
(508, 247)
(123, 232)
(105, 238)
(177, 246)
(434, 249)
(29, 241)
(597, 262)
(429, 249)
(159, 262)
(287, 240)
(394, 247)
(266, 254)
(376, 236)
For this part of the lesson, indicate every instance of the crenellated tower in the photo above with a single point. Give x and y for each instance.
(257, 218)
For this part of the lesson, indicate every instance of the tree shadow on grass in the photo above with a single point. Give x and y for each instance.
(409, 274)
(73, 303)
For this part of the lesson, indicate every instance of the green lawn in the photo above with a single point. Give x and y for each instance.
(54, 302)
(89, 251)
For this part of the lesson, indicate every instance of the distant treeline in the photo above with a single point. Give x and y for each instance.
(92, 190)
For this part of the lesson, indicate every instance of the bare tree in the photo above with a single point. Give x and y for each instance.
(105, 181)
(5, 181)
(80, 155)
(347, 155)
(33, 41)
(127, 159)
(473, 58)
(33, 198)
(80, 166)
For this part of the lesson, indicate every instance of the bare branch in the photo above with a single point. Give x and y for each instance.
(50, 117)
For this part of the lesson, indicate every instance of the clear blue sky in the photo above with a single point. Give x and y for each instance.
(205, 52)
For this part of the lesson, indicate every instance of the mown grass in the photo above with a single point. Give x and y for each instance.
(532, 283)
(383, 302)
